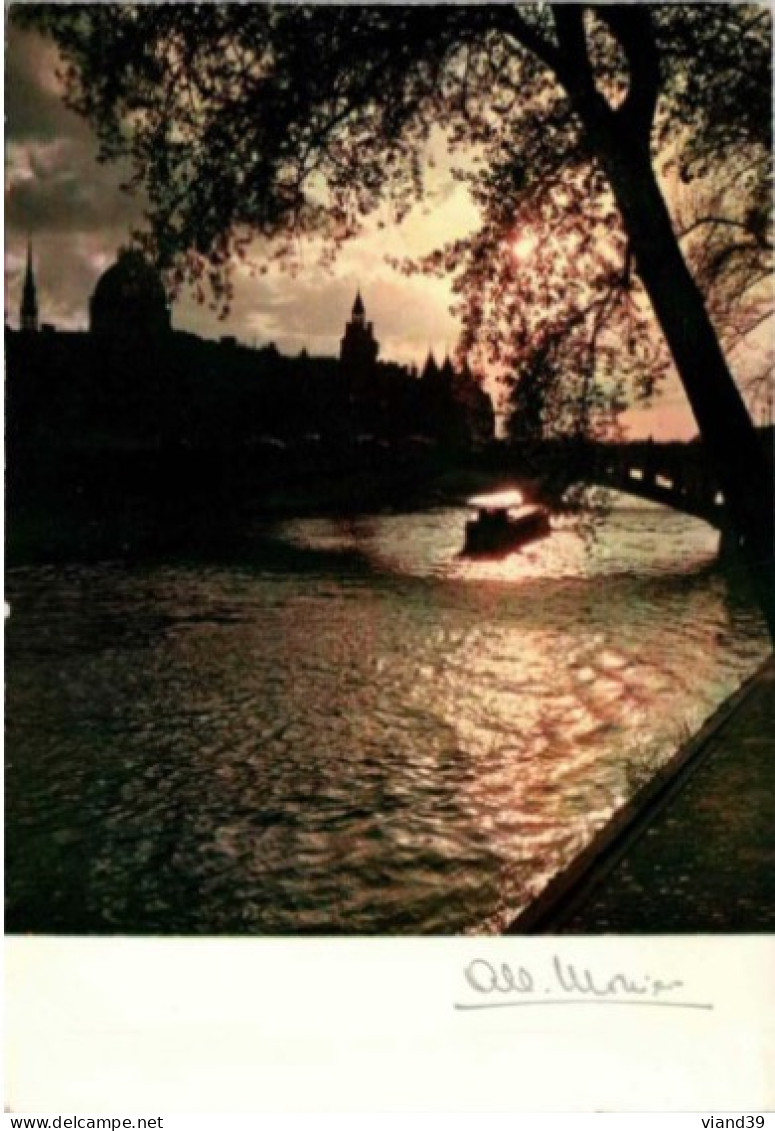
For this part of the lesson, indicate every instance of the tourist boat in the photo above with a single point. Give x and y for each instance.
(503, 524)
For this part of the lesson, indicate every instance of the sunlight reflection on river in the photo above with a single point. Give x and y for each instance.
(357, 732)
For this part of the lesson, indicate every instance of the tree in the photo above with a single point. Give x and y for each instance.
(292, 119)
(552, 300)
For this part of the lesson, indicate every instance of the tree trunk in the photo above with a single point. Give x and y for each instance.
(731, 441)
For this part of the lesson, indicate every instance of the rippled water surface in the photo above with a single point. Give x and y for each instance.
(351, 730)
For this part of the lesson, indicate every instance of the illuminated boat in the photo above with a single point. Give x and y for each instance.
(503, 524)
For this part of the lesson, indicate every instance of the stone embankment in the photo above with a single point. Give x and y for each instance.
(694, 852)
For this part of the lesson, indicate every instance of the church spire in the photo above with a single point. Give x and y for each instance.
(28, 315)
(359, 348)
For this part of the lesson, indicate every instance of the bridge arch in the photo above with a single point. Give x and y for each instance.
(674, 475)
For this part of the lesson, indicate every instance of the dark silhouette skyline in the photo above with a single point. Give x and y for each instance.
(133, 378)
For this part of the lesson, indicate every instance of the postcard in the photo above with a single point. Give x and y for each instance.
(390, 588)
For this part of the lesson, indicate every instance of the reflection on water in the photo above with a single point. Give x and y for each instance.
(354, 731)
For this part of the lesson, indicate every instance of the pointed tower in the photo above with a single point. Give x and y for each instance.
(28, 314)
(448, 370)
(359, 348)
(430, 371)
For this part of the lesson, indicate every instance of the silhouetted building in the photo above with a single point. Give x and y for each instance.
(359, 348)
(129, 301)
(456, 408)
(28, 315)
(133, 382)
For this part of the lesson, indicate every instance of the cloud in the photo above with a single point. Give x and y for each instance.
(54, 181)
(73, 208)
(310, 311)
(34, 107)
(57, 185)
(57, 193)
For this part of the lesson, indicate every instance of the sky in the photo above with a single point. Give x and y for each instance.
(77, 217)
(73, 210)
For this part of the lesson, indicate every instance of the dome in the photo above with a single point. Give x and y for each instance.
(129, 300)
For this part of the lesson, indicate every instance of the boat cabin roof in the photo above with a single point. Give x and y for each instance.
(498, 501)
(507, 514)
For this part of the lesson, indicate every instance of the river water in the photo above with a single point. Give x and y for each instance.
(349, 729)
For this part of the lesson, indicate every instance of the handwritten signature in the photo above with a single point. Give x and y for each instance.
(559, 982)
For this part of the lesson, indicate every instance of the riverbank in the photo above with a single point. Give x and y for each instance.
(693, 852)
(145, 504)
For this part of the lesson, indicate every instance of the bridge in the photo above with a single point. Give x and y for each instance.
(675, 475)
(672, 473)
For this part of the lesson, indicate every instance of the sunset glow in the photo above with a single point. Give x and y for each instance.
(523, 245)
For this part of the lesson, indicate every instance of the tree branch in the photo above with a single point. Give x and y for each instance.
(508, 19)
(633, 29)
(725, 221)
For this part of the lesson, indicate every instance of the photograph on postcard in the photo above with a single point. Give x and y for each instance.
(389, 491)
